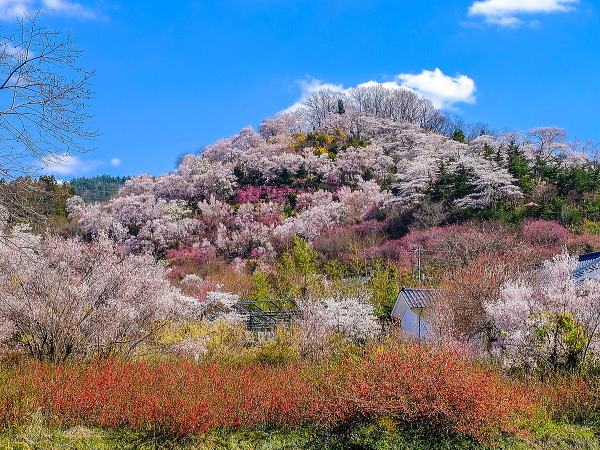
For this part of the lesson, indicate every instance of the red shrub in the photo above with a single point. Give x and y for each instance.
(544, 232)
(409, 383)
(424, 384)
(454, 244)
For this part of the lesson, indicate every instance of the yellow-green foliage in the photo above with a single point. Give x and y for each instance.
(325, 143)
(261, 289)
(296, 274)
(590, 227)
(282, 348)
(232, 343)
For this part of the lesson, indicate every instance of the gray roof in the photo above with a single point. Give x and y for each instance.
(588, 267)
(419, 298)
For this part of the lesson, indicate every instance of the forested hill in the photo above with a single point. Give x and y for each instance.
(97, 189)
(386, 157)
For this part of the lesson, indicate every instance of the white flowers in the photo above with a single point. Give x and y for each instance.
(316, 187)
(69, 299)
(543, 300)
(319, 211)
(352, 317)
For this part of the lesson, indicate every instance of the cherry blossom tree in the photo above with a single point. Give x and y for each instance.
(352, 318)
(319, 210)
(245, 192)
(548, 319)
(549, 141)
(63, 299)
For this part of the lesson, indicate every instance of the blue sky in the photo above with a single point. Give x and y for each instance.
(174, 76)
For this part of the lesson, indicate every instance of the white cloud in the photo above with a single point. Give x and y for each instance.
(505, 12)
(505, 21)
(443, 90)
(68, 8)
(66, 165)
(11, 9)
(115, 162)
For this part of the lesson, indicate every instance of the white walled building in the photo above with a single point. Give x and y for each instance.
(412, 310)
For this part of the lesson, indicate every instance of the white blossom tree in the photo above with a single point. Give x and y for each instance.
(548, 318)
(63, 299)
(352, 318)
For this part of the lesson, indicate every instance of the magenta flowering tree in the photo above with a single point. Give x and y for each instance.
(545, 232)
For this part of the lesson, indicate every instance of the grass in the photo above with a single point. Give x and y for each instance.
(384, 434)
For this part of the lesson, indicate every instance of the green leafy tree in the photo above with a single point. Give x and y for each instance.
(451, 185)
(297, 270)
(261, 288)
(40, 202)
(97, 189)
(459, 136)
(384, 286)
(568, 342)
(518, 166)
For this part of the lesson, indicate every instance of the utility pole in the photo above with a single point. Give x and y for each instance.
(418, 252)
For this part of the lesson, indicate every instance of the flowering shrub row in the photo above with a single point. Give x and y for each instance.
(408, 383)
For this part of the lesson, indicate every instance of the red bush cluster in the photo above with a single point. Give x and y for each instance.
(409, 383)
(451, 243)
(545, 232)
(440, 387)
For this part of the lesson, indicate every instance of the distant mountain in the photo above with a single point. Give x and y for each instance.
(97, 189)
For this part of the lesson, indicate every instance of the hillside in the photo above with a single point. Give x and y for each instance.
(246, 194)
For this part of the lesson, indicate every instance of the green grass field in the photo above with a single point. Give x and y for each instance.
(382, 435)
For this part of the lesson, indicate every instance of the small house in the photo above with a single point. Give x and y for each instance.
(588, 267)
(412, 310)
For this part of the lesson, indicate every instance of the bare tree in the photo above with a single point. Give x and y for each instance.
(474, 130)
(398, 104)
(44, 97)
(319, 105)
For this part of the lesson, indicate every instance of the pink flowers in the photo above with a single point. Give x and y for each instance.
(252, 194)
(544, 232)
